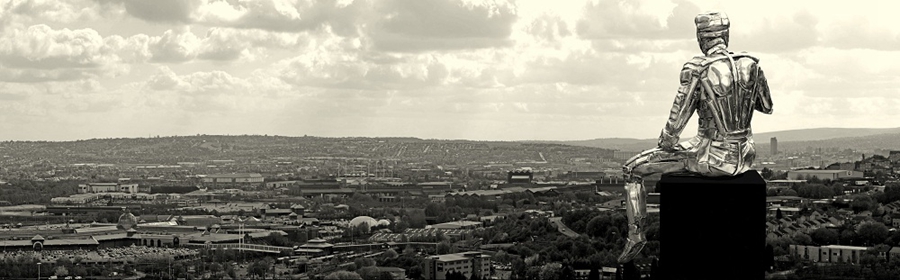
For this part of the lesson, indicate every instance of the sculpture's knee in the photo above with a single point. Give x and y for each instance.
(633, 163)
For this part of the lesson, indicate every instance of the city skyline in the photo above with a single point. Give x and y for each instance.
(442, 70)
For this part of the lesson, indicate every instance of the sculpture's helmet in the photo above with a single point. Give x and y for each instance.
(712, 29)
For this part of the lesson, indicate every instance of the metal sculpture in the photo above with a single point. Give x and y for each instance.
(724, 89)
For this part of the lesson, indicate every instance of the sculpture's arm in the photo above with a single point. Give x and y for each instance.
(763, 98)
(684, 106)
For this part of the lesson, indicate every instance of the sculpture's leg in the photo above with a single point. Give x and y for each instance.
(636, 211)
(650, 162)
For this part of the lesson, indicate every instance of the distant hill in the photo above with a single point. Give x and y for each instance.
(622, 144)
(818, 134)
(887, 141)
(255, 148)
(859, 138)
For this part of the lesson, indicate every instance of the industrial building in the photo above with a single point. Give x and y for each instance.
(107, 188)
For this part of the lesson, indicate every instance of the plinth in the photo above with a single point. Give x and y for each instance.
(712, 228)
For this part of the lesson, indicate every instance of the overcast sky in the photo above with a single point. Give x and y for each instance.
(549, 70)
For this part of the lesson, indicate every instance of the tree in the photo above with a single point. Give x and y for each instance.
(551, 271)
(260, 267)
(276, 239)
(862, 203)
(872, 233)
(229, 270)
(343, 275)
(369, 273)
(444, 248)
(824, 236)
(519, 268)
(891, 192)
(848, 237)
(772, 192)
(364, 262)
(767, 173)
(61, 271)
(801, 239)
(390, 254)
(788, 192)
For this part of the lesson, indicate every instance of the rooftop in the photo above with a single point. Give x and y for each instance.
(456, 224)
(279, 211)
(114, 236)
(57, 242)
(457, 257)
(215, 237)
(845, 247)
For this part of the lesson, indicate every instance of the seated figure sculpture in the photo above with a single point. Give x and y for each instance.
(724, 89)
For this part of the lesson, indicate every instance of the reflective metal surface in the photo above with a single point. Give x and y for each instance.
(723, 89)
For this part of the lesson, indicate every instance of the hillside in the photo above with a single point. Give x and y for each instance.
(818, 134)
(869, 143)
(170, 150)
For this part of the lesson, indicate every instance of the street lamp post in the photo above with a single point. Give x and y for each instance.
(39, 270)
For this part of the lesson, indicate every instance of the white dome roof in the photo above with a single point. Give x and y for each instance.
(363, 219)
(384, 222)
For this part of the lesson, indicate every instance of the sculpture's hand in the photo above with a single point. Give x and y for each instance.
(667, 142)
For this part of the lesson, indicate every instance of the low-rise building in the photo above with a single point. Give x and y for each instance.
(829, 253)
(107, 188)
(468, 263)
(233, 179)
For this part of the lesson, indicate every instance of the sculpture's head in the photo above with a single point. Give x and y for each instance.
(712, 31)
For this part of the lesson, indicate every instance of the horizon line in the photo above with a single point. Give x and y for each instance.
(410, 137)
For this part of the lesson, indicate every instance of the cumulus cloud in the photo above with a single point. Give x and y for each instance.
(40, 53)
(40, 46)
(211, 82)
(228, 44)
(61, 11)
(175, 11)
(175, 46)
(273, 15)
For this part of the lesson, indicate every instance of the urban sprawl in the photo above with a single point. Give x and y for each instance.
(268, 207)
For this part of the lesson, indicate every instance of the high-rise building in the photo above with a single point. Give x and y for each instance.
(774, 145)
(468, 263)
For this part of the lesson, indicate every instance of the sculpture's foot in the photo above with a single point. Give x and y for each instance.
(633, 247)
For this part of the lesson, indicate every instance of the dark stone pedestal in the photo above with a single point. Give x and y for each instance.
(712, 228)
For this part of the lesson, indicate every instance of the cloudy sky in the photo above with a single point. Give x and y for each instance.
(443, 69)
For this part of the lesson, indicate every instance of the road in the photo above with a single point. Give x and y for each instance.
(565, 230)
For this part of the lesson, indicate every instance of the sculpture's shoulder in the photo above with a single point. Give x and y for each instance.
(739, 58)
(695, 63)
(745, 55)
(693, 67)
